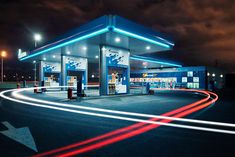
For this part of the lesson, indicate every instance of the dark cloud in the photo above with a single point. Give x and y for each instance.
(204, 31)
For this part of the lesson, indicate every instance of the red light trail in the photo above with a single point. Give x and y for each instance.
(129, 131)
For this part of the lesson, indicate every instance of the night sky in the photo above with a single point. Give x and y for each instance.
(203, 30)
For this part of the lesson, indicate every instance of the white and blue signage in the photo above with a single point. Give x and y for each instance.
(51, 67)
(74, 63)
(116, 57)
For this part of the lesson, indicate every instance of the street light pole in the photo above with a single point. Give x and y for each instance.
(3, 54)
(35, 43)
(35, 72)
(2, 70)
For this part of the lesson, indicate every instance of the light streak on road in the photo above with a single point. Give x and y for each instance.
(109, 141)
(17, 95)
(118, 131)
(165, 120)
(112, 111)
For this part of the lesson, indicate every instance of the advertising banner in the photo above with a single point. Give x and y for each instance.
(116, 57)
(74, 63)
(51, 67)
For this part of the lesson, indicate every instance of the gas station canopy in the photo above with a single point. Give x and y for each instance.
(111, 30)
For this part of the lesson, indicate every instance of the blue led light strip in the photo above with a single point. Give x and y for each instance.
(101, 31)
(139, 37)
(145, 59)
(68, 42)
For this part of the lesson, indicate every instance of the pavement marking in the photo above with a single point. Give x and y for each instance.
(21, 135)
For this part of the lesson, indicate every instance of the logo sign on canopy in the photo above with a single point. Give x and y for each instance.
(51, 67)
(74, 63)
(116, 57)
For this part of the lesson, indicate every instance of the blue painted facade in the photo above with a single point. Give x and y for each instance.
(186, 77)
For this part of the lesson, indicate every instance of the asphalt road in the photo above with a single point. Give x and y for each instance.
(53, 129)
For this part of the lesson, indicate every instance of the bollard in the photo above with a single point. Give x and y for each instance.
(18, 85)
(24, 84)
(70, 93)
(43, 89)
(151, 92)
(35, 89)
(79, 88)
(147, 88)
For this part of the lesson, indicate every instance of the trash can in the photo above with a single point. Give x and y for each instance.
(43, 89)
(151, 92)
(70, 93)
(24, 83)
(79, 88)
(35, 89)
(147, 88)
(18, 85)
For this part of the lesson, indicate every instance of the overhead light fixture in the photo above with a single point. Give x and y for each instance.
(208, 74)
(213, 74)
(84, 48)
(62, 44)
(92, 76)
(37, 37)
(142, 38)
(152, 60)
(117, 39)
(3, 54)
(68, 52)
(53, 56)
(162, 66)
(96, 56)
(148, 48)
(34, 61)
(44, 58)
(221, 75)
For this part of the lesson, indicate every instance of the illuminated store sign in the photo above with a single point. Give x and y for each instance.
(149, 75)
(21, 54)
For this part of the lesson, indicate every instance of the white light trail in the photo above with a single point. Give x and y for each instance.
(2, 94)
(17, 95)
